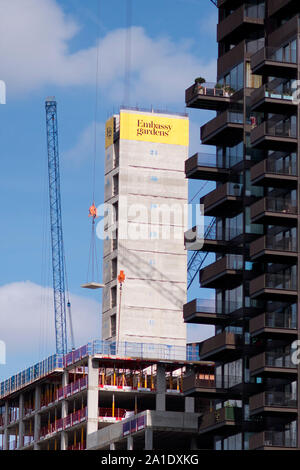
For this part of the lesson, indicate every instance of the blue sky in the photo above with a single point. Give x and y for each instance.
(49, 47)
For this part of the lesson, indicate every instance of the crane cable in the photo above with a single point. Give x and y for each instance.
(128, 45)
(92, 264)
(198, 192)
(69, 305)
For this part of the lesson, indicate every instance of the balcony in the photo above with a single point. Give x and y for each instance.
(269, 249)
(196, 385)
(203, 166)
(274, 211)
(226, 198)
(273, 325)
(230, 59)
(213, 240)
(206, 312)
(277, 6)
(287, 31)
(272, 365)
(223, 421)
(208, 96)
(271, 61)
(227, 272)
(278, 170)
(273, 403)
(271, 100)
(276, 287)
(222, 346)
(273, 440)
(227, 126)
(203, 312)
(275, 134)
(242, 22)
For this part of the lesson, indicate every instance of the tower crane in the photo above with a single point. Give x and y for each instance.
(58, 257)
(198, 257)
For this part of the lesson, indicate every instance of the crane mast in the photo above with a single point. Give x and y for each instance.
(56, 227)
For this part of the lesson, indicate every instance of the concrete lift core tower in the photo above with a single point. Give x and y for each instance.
(144, 222)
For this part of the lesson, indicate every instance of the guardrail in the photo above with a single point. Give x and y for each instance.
(106, 348)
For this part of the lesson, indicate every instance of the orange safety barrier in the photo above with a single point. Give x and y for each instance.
(119, 413)
(64, 423)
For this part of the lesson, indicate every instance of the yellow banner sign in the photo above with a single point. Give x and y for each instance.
(147, 128)
(109, 132)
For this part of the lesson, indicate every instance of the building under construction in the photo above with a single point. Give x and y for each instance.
(146, 203)
(92, 398)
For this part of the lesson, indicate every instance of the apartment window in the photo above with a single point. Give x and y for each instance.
(115, 212)
(114, 265)
(235, 78)
(113, 325)
(233, 442)
(234, 154)
(255, 9)
(116, 184)
(287, 53)
(252, 80)
(115, 240)
(113, 293)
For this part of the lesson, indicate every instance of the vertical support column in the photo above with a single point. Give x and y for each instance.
(64, 413)
(37, 417)
(189, 404)
(160, 388)
(148, 439)
(112, 446)
(129, 443)
(92, 399)
(6, 436)
(21, 422)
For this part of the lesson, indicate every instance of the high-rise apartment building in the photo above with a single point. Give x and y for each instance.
(255, 229)
(146, 202)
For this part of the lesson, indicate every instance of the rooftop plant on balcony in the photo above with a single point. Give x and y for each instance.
(229, 90)
(200, 80)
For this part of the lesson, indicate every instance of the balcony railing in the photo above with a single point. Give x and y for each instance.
(276, 93)
(247, 13)
(273, 399)
(208, 96)
(219, 342)
(276, 164)
(271, 359)
(220, 267)
(219, 417)
(276, 5)
(274, 128)
(220, 122)
(222, 192)
(273, 320)
(207, 159)
(273, 439)
(285, 244)
(273, 54)
(275, 281)
(277, 205)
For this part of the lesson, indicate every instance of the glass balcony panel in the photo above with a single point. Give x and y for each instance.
(281, 320)
(280, 399)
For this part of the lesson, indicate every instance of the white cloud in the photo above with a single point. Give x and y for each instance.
(27, 322)
(34, 52)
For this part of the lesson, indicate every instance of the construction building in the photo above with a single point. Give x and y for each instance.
(255, 229)
(145, 220)
(93, 399)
